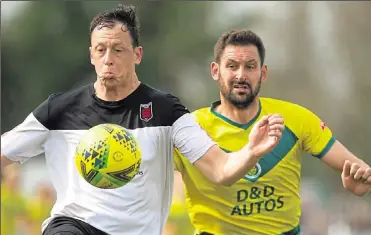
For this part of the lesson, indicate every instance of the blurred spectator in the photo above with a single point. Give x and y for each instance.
(316, 222)
(40, 206)
(359, 217)
(13, 203)
(314, 219)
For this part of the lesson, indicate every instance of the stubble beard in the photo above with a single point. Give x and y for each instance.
(237, 100)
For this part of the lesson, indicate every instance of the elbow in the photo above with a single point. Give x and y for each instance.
(227, 183)
(223, 176)
(223, 180)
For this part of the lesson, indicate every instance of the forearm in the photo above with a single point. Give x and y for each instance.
(337, 156)
(351, 157)
(226, 168)
(5, 161)
(236, 165)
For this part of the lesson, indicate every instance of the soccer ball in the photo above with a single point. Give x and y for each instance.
(108, 156)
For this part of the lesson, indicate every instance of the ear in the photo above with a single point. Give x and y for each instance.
(214, 67)
(138, 53)
(264, 72)
(91, 56)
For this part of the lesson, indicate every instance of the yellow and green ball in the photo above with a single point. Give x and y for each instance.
(108, 156)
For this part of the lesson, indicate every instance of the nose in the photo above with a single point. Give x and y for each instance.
(108, 58)
(241, 74)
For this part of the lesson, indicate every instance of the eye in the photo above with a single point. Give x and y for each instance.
(231, 66)
(251, 66)
(100, 49)
(118, 50)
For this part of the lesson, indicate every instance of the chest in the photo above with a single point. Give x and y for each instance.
(154, 142)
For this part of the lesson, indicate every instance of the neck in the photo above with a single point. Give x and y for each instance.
(117, 92)
(238, 115)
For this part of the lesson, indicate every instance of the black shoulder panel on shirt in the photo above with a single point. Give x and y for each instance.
(81, 109)
(41, 113)
(177, 108)
(53, 110)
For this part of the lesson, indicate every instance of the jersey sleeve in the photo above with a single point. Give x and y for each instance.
(27, 139)
(317, 137)
(188, 137)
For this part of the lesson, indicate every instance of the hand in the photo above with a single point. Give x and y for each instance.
(356, 178)
(265, 135)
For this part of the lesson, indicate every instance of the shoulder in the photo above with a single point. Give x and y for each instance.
(166, 104)
(71, 96)
(296, 116)
(203, 116)
(285, 108)
(201, 112)
(60, 102)
(160, 96)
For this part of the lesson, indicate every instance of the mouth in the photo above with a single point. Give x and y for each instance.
(108, 75)
(241, 87)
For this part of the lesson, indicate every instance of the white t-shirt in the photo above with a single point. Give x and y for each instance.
(159, 122)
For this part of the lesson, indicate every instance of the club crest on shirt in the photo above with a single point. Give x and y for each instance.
(145, 111)
(254, 172)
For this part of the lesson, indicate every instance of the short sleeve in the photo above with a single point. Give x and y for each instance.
(317, 137)
(27, 139)
(190, 139)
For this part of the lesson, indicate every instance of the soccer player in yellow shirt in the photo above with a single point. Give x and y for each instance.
(266, 200)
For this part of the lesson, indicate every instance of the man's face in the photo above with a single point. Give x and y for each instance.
(113, 55)
(239, 74)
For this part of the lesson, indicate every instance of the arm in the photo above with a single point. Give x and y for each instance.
(27, 139)
(5, 161)
(355, 173)
(226, 168)
(318, 140)
(23, 142)
(338, 154)
(218, 166)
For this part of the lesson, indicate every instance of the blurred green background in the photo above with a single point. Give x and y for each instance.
(318, 55)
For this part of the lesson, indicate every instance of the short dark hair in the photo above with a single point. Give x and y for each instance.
(124, 14)
(239, 38)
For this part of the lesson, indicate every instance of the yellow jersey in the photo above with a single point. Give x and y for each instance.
(266, 200)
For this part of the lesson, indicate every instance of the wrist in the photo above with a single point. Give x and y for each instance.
(249, 151)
